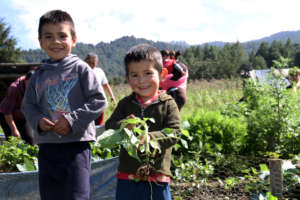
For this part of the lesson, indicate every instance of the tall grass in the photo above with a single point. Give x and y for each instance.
(201, 95)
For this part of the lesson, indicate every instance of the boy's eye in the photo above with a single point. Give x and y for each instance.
(47, 36)
(62, 36)
(149, 73)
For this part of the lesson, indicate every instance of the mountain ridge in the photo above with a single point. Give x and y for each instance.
(111, 54)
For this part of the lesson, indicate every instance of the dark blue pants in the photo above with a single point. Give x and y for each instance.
(132, 190)
(64, 171)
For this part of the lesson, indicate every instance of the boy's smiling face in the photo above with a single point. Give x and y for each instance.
(143, 79)
(57, 41)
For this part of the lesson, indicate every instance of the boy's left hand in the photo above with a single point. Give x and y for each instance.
(62, 126)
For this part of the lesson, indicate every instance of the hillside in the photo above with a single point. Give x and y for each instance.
(283, 36)
(110, 54)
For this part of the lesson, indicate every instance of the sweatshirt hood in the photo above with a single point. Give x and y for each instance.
(64, 63)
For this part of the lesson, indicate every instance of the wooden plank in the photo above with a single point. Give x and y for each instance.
(20, 64)
(10, 75)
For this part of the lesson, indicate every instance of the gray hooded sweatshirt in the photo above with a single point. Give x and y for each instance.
(66, 88)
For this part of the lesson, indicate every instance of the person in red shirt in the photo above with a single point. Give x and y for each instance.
(12, 119)
(176, 80)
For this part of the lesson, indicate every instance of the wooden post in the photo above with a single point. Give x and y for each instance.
(276, 179)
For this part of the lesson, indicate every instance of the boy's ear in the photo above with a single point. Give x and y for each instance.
(74, 38)
(126, 77)
(164, 72)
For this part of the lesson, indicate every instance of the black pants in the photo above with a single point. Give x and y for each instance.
(179, 95)
(64, 171)
(23, 127)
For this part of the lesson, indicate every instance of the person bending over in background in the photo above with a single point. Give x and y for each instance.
(12, 119)
(294, 79)
(92, 60)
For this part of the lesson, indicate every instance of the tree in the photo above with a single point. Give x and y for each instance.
(8, 51)
(263, 51)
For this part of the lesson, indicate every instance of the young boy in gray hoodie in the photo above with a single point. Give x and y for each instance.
(61, 103)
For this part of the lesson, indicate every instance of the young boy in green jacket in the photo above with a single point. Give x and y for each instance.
(143, 65)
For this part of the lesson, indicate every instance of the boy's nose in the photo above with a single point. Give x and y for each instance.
(141, 79)
(56, 40)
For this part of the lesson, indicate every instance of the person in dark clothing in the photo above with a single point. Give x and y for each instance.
(12, 119)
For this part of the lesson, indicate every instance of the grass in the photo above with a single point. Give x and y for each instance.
(201, 95)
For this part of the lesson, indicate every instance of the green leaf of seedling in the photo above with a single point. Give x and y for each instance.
(270, 196)
(36, 163)
(186, 134)
(142, 148)
(254, 171)
(168, 131)
(155, 145)
(176, 147)
(184, 143)
(132, 151)
(137, 130)
(151, 120)
(137, 179)
(109, 138)
(27, 166)
(128, 132)
(186, 125)
(132, 121)
(263, 167)
(134, 140)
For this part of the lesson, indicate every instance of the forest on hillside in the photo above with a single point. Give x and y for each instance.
(213, 60)
(204, 61)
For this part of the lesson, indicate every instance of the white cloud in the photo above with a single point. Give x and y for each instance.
(193, 21)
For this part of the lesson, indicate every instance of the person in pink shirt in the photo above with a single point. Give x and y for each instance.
(175, 82)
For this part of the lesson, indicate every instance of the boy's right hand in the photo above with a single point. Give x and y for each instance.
(45, 124)
(130, 126)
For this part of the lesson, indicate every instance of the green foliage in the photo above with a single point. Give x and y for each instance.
(271, 112)
(8, 50)
(136, 139)
(15, 155)
(213, 132)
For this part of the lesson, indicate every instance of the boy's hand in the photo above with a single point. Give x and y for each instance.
(62, 126)
(130, 126)
(45, 124)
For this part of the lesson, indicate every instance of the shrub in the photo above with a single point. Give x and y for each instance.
(213, 132)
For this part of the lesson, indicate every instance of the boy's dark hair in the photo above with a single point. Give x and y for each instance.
(142, 52)
(56, 16)
(172, 53)
(164, 53)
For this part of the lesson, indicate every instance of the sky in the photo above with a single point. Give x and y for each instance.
(192, 21)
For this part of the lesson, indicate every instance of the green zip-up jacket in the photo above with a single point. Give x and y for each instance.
(166, 114)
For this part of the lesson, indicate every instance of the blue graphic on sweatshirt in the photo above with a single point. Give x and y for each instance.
(57, 95)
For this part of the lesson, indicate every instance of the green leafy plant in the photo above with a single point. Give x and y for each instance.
(136, 141)
(15, 155)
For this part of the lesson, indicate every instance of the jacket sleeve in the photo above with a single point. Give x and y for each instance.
(94, 104)
(115, 120)
(30, 105)
(171, 120)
